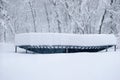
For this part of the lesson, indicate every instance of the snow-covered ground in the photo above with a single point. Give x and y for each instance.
(73, 66)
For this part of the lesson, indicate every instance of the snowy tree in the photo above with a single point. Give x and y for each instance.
(5, 23)
(33, 12)
(61, 16)
(47, 16)
(108, 22)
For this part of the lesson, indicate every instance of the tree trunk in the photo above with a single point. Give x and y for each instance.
(102, 20)
(47, 15)
(33, 16)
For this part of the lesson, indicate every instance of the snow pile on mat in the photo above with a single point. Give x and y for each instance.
(65, 39)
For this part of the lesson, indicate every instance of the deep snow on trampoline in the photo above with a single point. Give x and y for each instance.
(63, 42)
(64, 39)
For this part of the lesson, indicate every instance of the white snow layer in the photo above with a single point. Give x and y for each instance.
(79, 66)
(64, 39)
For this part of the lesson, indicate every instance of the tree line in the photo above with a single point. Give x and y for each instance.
(61, 16)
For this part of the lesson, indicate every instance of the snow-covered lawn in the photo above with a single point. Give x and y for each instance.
(73, 66)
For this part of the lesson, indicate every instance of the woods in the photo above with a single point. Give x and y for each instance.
(59, 16)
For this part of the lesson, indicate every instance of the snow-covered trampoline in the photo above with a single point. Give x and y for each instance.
(64, 43)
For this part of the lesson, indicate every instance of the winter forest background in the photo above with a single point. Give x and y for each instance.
(59, 16)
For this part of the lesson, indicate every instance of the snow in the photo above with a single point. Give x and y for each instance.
(74, 66)
(65, 39)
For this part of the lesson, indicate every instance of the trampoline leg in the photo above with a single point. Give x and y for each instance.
(15, 49)
(107, 49)
(115, 47)
(66, 50)
(26, 50)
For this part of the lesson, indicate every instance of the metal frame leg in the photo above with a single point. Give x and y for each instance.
(107, 49)
(115, 47)
(15, 49)
(66, 50)
(26, 50)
